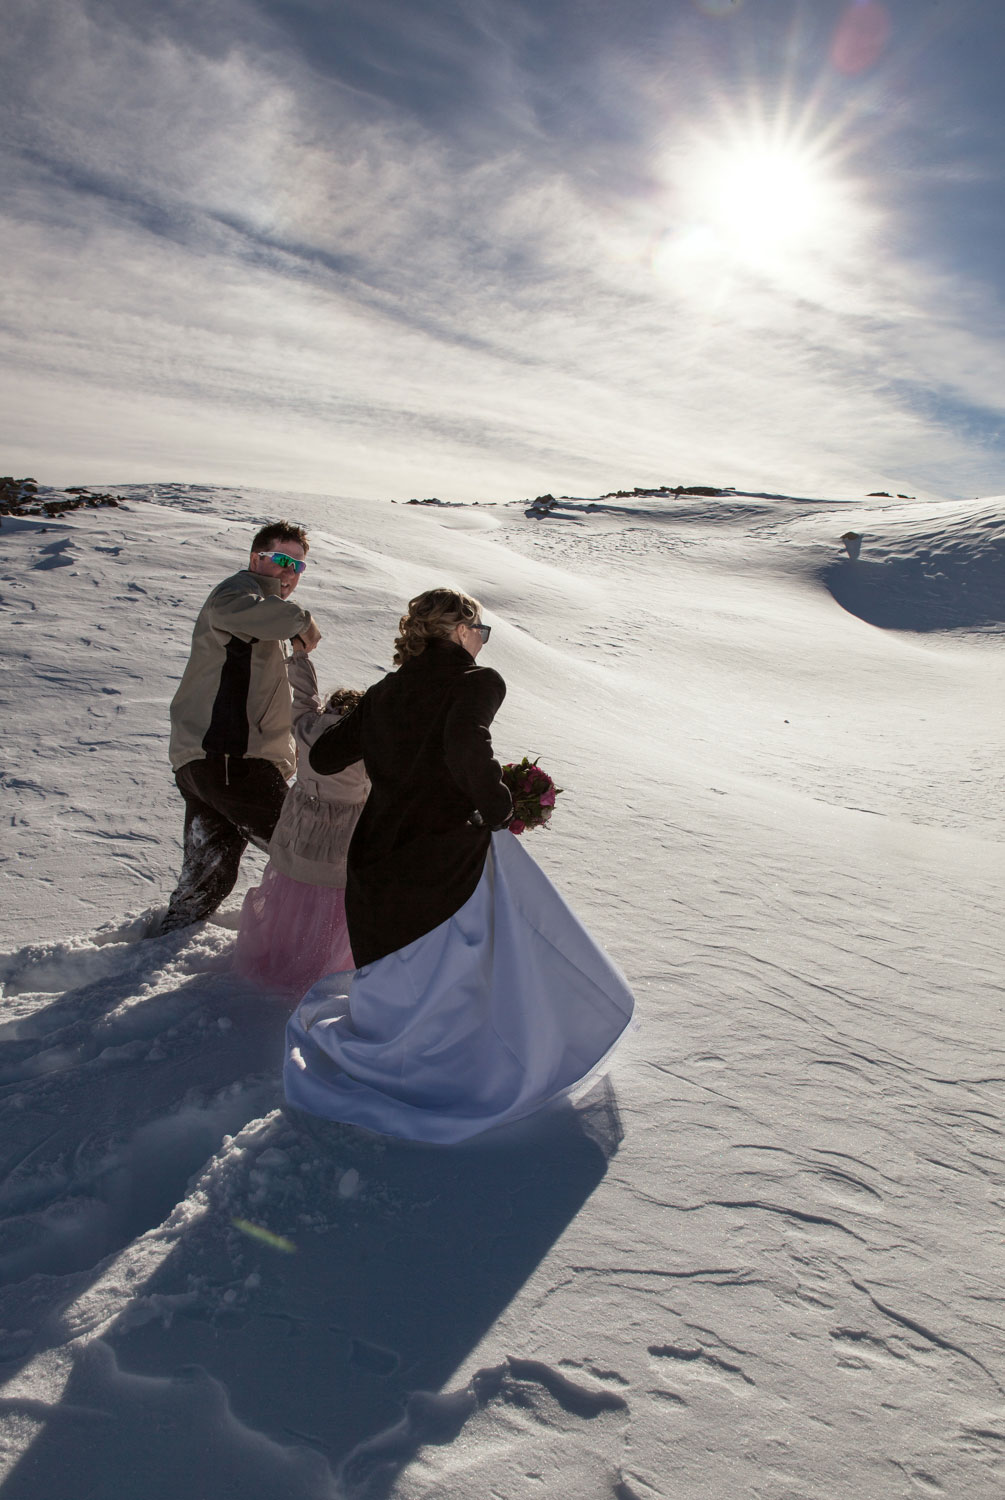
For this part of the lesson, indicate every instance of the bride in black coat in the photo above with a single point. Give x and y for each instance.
(479, 996)
(424, 734)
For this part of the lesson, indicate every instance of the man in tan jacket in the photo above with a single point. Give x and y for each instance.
(232, 749)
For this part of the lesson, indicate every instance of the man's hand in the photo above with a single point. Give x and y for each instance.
(308, 638)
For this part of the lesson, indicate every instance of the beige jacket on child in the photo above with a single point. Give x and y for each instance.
(320, 813)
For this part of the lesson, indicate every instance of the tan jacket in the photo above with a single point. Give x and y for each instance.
(233, 698)
(321, 812)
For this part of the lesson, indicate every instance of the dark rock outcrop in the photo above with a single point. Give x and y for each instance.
(20, 497)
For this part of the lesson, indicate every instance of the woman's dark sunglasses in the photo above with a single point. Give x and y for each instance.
(483, 630)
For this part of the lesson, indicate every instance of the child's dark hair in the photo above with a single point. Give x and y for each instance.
(344, 700)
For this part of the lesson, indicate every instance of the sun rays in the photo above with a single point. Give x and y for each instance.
(751, 197)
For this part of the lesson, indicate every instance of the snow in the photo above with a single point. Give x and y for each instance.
(763, 1258)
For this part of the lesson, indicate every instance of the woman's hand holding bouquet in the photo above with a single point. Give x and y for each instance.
(533, 793)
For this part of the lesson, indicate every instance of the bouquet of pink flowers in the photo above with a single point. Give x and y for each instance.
(533, 792)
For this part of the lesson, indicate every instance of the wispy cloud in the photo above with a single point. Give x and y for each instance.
(421, 248)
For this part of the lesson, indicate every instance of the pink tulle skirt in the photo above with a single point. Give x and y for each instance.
(291, 934)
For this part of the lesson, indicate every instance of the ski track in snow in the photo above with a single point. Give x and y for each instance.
(764, 1258)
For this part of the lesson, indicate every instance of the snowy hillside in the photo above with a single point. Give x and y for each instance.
(763, 1259)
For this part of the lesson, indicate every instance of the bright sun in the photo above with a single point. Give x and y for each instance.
(768, 191)
(770, 204)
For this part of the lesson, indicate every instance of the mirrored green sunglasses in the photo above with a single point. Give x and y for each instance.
(283, 560)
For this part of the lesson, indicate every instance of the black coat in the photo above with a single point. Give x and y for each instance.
(423, 736)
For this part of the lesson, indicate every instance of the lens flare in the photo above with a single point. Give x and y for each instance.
(860, 36)
(265, 1236)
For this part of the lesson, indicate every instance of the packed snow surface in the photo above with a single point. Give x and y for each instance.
(763, 1258)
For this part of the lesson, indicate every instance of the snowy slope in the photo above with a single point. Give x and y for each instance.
(764, 1259)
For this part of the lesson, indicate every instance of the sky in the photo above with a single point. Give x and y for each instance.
(489, 248)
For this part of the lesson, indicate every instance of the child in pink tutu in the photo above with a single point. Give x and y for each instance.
(293, 929)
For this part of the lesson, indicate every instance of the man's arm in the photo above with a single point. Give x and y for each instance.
(244, 611)
(307, 639)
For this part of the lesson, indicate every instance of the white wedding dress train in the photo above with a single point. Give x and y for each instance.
(506, 1006)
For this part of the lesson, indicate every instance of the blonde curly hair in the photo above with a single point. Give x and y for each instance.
(432, 616)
